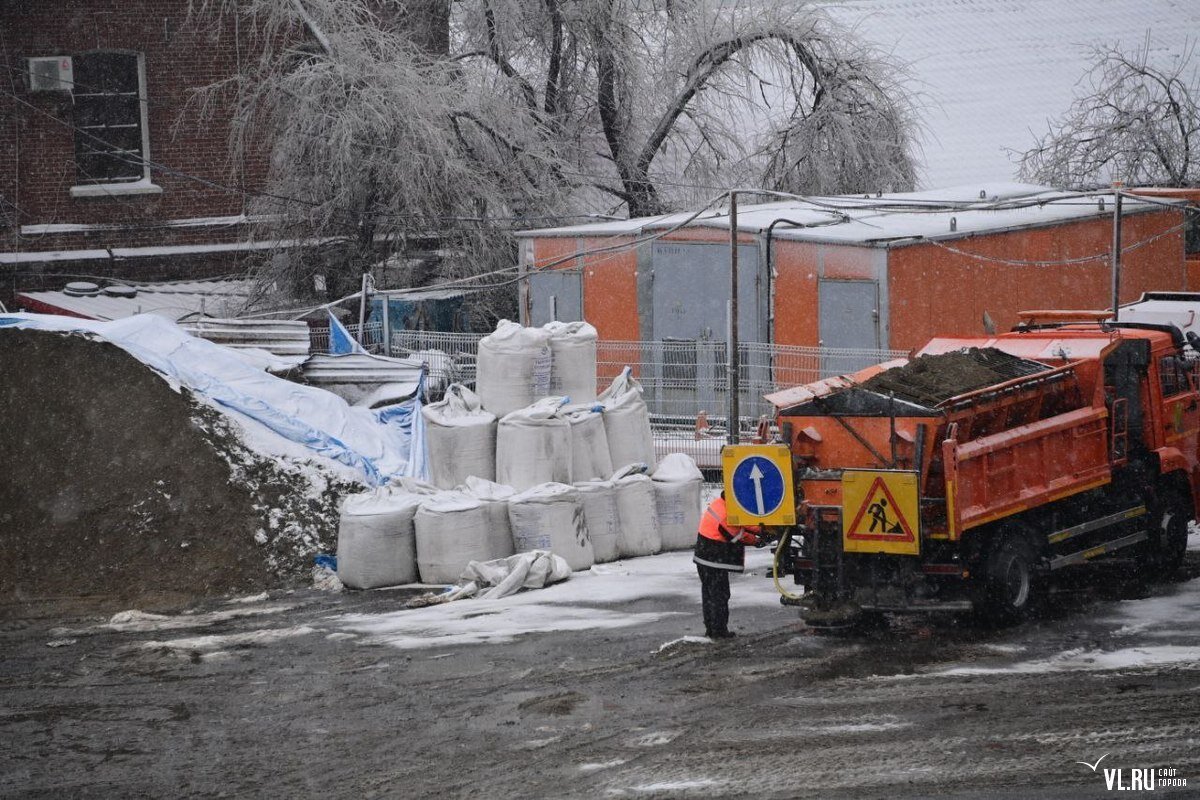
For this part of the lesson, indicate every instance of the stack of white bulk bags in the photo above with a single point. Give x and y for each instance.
(461, 437)
(376, 542)
(573, 371)
(598, 499)
(452, 531)
(627, 422)
(494, 497)
(637, 514)
(589, 442)
(548, 517)
(513, 367)
(533, 446)
(677, 484)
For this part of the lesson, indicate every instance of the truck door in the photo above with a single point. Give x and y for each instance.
(1180, 403)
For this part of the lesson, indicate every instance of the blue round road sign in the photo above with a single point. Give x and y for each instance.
(757, 485)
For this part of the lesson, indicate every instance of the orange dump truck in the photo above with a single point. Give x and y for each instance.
(965, 476)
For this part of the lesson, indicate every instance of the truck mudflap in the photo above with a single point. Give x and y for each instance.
(840, 586)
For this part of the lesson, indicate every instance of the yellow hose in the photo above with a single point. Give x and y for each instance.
(783, 542)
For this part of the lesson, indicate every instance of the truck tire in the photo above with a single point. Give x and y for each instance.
(1006, 588)
(1168, 540)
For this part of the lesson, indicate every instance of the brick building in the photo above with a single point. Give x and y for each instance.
(101, 171)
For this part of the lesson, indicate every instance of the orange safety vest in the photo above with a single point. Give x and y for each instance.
(713, 526)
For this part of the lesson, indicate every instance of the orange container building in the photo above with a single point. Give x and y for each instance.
(879, 272)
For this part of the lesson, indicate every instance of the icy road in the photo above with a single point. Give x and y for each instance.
(597, 687)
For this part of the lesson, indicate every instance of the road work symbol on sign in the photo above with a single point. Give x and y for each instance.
(880, 512)
(758, 482)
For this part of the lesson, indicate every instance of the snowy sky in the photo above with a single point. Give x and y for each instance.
(993, 71)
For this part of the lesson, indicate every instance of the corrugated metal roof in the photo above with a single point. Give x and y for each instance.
(171, 300)
(284, 338)
(357, 376)
(884, 219)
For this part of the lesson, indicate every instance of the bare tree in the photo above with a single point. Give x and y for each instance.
(545, 107)
(702, 92)
(1133, 121)
(373, 143)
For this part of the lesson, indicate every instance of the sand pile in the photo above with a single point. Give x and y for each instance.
(114, 484)
(931, 379)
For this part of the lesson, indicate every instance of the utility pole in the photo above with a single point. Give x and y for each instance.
(362, 309)
(1116, 250)
(733, 383)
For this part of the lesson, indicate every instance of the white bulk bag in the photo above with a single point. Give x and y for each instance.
(376, 542)
(461, 438)
(513, 367)
(677, 485)
(452, 531)
(573, 371)
(589, 442)
(533, 446)
(404, 483)
(598, 499)
(627, 421)
(548, 517)
(494, 497)
(637, 516)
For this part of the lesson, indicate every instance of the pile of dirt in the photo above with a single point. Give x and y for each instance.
(113, 484)
(931, 379)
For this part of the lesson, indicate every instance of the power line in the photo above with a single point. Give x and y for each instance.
(1016, 262)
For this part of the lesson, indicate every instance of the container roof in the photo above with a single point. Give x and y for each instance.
(883, 220)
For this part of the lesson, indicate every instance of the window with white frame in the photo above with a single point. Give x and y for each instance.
(111, 139)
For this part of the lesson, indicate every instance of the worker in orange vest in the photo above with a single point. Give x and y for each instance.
(720, 550)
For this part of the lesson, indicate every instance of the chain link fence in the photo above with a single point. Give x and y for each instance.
(684, 381)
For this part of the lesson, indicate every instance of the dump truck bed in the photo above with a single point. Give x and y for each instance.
(990, 434)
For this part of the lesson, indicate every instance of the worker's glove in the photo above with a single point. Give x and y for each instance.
(766, 538)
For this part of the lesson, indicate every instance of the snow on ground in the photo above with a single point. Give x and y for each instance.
(214, 642)
(590, 600)
(1156, 631)
(139, 621)
(1093, 659)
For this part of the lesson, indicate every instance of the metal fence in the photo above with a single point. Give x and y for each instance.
(372, 337)
(686, 385)
(683, 380)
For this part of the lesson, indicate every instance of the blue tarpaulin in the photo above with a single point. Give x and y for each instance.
(377, 444)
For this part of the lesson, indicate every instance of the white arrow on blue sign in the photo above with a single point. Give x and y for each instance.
(757, 485)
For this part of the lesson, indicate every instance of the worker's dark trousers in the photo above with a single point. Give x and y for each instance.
(714, 599)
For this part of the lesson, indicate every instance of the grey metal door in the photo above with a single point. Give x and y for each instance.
(849, 318)
(690, 312)
(691, 292)
(555, 294)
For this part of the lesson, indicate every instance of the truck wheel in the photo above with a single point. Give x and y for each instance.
(1168, 540)
(1006, 590)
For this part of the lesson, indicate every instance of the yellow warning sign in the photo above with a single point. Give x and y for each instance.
(880, 512)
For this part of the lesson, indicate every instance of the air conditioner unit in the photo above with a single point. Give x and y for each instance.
(51, 74)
